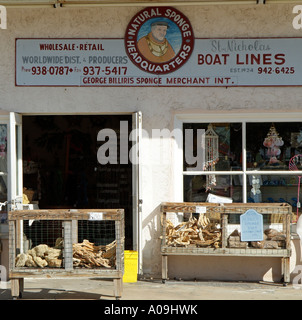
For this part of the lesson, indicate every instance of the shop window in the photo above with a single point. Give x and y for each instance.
(251, 163)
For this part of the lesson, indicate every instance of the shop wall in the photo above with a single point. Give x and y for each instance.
(158, 105)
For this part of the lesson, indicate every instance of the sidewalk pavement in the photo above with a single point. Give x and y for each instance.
(99, 289)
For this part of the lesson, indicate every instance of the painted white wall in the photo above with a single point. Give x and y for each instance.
(158, 105)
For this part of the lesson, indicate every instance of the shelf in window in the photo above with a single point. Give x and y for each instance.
(279, 185)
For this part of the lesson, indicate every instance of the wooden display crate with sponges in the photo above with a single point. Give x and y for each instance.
(62, 242)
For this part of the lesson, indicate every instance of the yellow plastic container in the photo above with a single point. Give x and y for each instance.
(130, 266)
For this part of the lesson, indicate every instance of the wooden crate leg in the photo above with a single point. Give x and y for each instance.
(17, 286)
(118, 287)
(21, 287)
(286, 270)
(164, 271)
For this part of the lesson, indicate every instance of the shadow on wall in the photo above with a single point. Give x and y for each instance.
(151, 241)
(296, 243)
(224, 268)
(297, 246)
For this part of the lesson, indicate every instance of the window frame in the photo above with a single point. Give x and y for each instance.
(223, 117)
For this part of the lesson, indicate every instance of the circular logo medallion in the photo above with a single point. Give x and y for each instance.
(159, 40)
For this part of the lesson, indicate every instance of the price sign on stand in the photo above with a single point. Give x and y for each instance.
(95, 216)
(201, 209)
(251, 225)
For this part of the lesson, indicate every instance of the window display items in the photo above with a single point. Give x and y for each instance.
(3, 141)
(3, 215)
(273, 142)
(3, 170)
(293, 162)
(255, 191)
(299, 138)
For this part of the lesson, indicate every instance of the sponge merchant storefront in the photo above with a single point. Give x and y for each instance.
(78, 75)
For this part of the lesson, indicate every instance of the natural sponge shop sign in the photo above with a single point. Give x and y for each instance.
(159, 40)
(159, 50)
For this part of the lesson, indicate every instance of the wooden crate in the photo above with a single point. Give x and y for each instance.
(219, 213)
(67, 224)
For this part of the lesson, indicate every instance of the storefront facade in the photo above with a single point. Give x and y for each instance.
(240, 109)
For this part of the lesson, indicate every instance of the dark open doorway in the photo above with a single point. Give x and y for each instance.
(61, 168)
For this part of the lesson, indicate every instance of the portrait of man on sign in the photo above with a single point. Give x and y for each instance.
(154, 46)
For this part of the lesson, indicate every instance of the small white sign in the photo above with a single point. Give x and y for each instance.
(201, 209)
(95, 216)
(251, 225)
(218, 199)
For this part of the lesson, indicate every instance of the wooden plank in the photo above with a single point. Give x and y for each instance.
(119, 230)
(18, 236)
(287, 231)
(48, 274)
(121, 2)
(186, 207)
(233, 208)
(65, 214)
(118, 287)
(226, 251)
(74, 232)
(234, 204)
(15, 287)
(224, 238)
(164, 227)
(286, 269)
(12, 244)
(164, 268)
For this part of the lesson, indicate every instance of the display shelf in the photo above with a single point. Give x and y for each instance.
(55, 247)
(280, 213)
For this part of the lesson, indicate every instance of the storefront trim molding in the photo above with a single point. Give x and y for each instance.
(129, 3)
(238, 115)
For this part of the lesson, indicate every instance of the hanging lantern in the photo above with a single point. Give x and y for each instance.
(212, 155)
(211, 142)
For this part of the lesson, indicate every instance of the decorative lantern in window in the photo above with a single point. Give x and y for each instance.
(212, 155)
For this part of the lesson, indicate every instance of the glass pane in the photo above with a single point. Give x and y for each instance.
(273, 188)
(270, 146)
(223, 145)
(17, 155)
(3, 172)
(198, 187)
